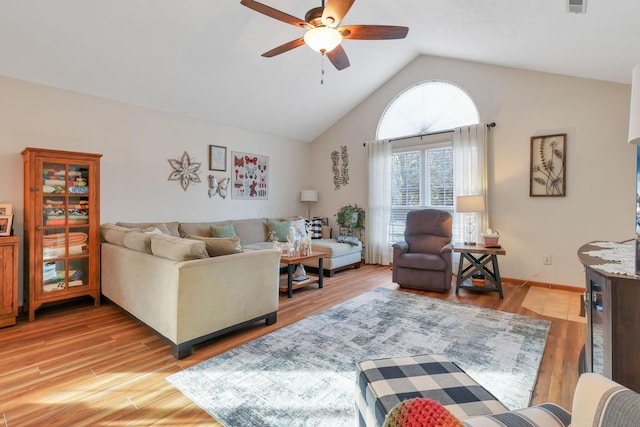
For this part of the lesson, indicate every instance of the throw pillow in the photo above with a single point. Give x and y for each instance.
(280, 228)
(353, 241)
(420, 412)
(316, 228)
(166, 227)
(140, 240)
(115, 234)
(226, 230)
(217, 246)
(177, 249)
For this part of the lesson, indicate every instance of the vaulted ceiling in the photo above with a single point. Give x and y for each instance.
(202, 58)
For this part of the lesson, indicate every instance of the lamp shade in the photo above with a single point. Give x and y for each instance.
(322, 39)
(309, 196)
(470, 204)
(634, 111)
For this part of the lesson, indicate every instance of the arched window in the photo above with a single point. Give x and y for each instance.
(420, 121)
(427, 107)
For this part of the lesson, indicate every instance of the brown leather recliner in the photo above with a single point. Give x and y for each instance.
(423, 260)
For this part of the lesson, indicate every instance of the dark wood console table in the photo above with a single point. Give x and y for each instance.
(612, 307)
(480, 260)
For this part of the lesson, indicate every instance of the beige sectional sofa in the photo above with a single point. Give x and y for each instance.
(190, 287)
(253, 234)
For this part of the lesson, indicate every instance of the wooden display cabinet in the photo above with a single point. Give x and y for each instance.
(612, 308)
(61, 226)
(8, 280)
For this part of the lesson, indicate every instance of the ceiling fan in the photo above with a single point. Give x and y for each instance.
(324, 34)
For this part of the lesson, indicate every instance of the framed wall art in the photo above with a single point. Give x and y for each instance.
(548, 166)
(6, 209)
(249, 176)
(217, 158)
(6, 222)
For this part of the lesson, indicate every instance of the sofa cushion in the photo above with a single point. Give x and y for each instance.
(251, 230)
(140, 240)
(279, 228)
(223, 230)
(601, 402)
(260, 246)
(333, 248)
(165, 227)
(177, 248)
(299, 224)
(217, 246)
(544, 415)
(114, 233)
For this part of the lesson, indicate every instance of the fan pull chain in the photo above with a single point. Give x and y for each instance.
(322, 69)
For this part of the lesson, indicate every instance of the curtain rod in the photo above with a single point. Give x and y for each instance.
(420, 135)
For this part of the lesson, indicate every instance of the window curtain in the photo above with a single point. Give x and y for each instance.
(379, 155)
(470, 173)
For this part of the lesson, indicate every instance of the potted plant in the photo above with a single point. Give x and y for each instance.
(351, 216)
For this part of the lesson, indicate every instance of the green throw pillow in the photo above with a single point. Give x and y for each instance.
(280, 228)
(226, 230)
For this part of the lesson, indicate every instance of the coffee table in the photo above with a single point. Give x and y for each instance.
(292, 262)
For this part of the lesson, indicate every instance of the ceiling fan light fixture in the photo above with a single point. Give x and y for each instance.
(323, 39)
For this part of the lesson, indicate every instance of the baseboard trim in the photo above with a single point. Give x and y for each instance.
(512, 281)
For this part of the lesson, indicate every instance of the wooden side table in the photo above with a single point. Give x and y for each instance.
(292, 262)
(480, 260)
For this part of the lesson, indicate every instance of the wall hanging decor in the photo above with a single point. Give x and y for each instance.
(218, 186)
(340, 167)
(185, 170)
(249, 176)
(548, 166)
(217, 158)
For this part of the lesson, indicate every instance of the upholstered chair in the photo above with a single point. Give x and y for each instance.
(423, 260)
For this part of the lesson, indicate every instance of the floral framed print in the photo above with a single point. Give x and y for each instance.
(217, 158)
(548, 166)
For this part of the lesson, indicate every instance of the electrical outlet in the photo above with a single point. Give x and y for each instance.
(547, 260)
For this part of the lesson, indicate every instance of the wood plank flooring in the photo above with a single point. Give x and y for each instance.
(77, 364)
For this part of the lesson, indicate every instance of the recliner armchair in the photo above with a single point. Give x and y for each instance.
(423, 260)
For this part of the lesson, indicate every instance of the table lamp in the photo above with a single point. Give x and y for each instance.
(469, 205)
(309, 196)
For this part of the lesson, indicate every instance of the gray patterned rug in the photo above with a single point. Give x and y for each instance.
(304, 374)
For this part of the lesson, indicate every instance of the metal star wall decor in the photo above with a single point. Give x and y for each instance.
(184, 170)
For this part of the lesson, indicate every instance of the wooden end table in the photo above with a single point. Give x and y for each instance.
(292, 262)
(481, 260)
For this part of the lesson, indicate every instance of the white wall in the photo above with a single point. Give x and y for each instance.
(136, 143)
(600, 188)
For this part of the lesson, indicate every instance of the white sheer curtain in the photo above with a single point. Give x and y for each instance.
(379, 155)
(470, 173)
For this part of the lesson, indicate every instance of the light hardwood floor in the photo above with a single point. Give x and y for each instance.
(82, 365)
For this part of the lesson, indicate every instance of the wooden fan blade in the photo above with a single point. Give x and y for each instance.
(373, 32)
(274, 13)
(334, 11)
(284, 48)
(338, 58)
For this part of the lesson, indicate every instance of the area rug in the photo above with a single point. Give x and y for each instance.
(304, 374)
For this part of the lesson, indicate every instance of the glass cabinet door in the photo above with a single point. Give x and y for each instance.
(65, 230)
(596, 320)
